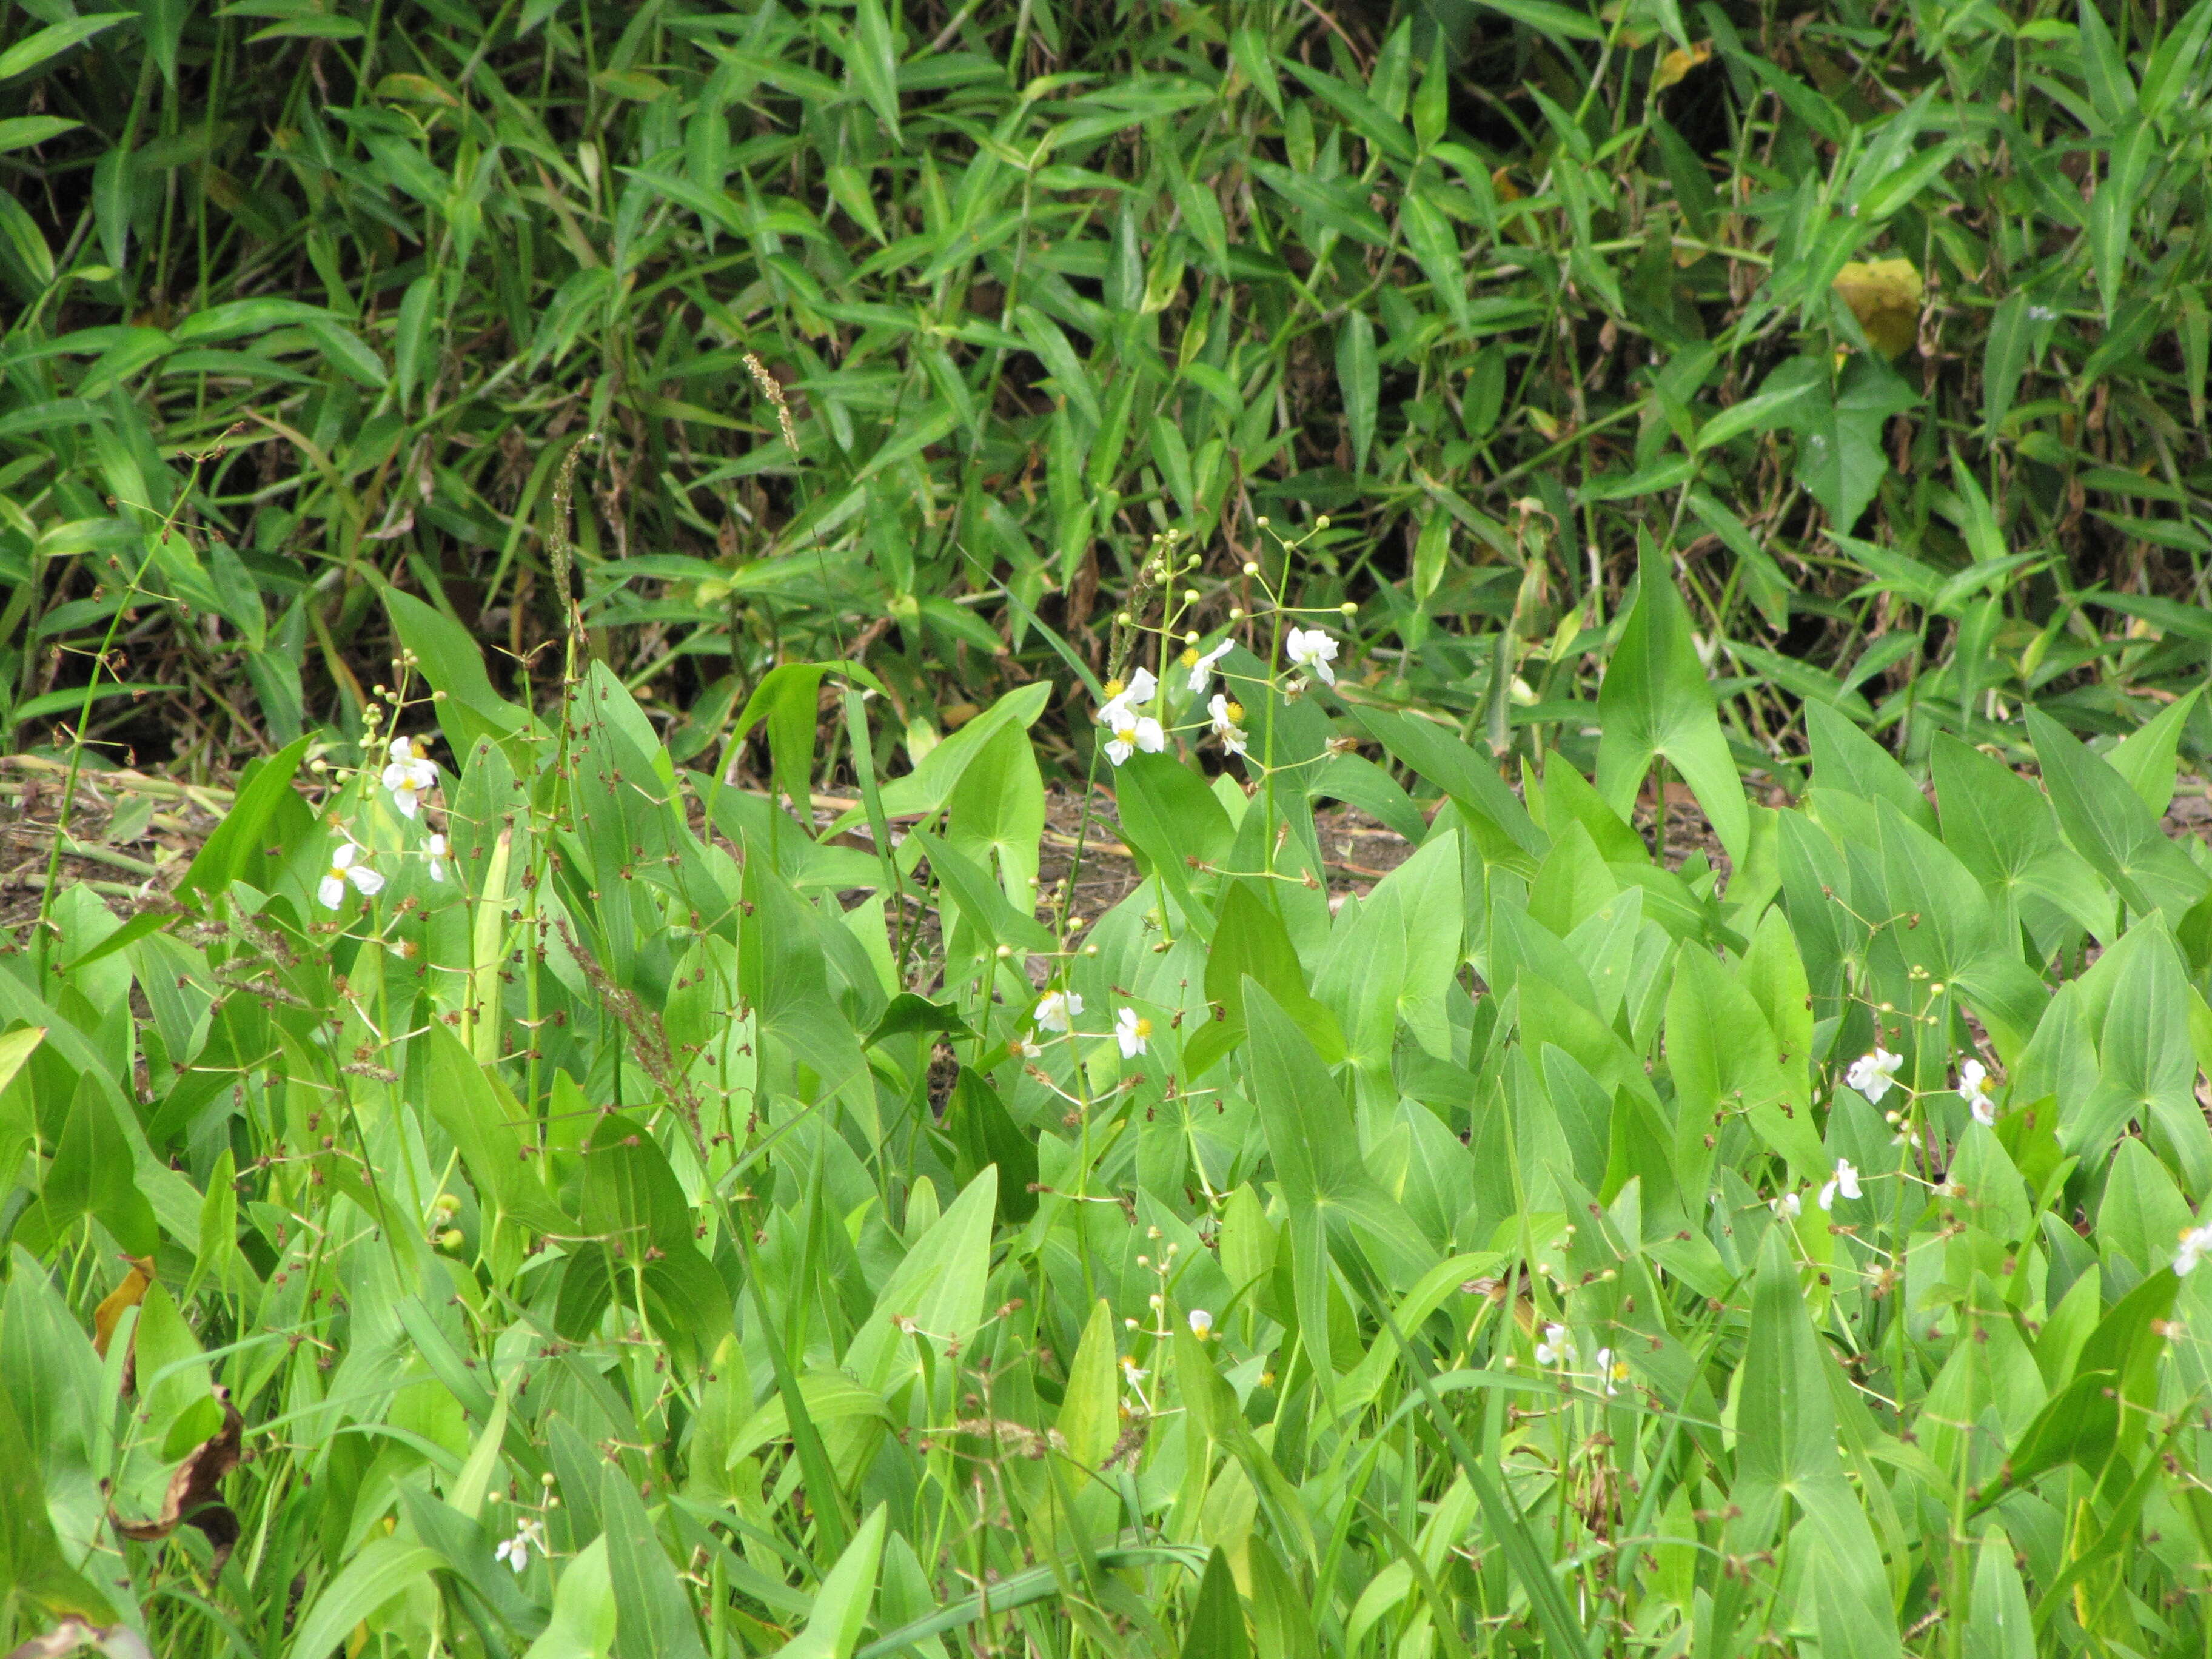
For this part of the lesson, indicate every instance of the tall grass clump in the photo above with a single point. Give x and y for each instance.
(525, 1196)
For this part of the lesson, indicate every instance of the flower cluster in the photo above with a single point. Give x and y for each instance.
(515, 1551)
(1133, 727)
(1058, 1011)
(2195, 1244)
(1558, 1348)
(408, 777)
(1844, 1183)
(1974, 1089)
(1121, 715)
(346, 869)
(1874, 1074)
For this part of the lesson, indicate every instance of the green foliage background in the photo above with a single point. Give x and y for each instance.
(638, 1227)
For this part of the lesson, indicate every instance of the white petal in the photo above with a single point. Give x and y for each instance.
(406, 800)
(343, 854)
(366, 879)
(332, 891)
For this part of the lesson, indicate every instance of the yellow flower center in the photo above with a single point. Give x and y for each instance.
(1234, 711)
(1143, 1028)
(1115, 688)
(1125, 733)
(1189, 656)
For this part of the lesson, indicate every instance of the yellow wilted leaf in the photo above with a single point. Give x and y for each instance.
(415, 88)
(127, 1295)
(1885, 296)
(1502, 187)
(1679, 63)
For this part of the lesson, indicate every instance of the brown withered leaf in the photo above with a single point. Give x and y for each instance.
(127, 1295)
(195, 1490)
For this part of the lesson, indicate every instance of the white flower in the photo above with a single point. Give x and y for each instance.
(2196, 1242)
(1130, 1032)
(438, 858)
(1123, 701)
(2040, 314)
(1974, 1089)
(1225, 715)
(1132, 732)
(1788, 1206)
(1131, 1373)
(409, 776)
(1611, 1371)
(1024, 1048)
(344, 867)
(1871, 1073)
(1200, 667)
(1201, 1324)
(515, 1551)
(1314, 650)
(1055, 1009)
(1555, 1349)
(1844, 1181)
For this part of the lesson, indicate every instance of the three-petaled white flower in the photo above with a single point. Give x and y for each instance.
(1123, 701)
(1555, 1349)
(1225, 714)
(1023, 1048)
(1974, 1089)
(1201, 666)
(515, 1551)
(1201, 1324)
(1873, 1074)
(1611, 1371)
(1844, 1181)
(1131, 1031)
(1133, 731)
(1788, 1206)
(2194, 1243)
(409, 776)
(438, 856)
(1132, 1373)
(346, 866)
(1055, 1009)
(1313, 650)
